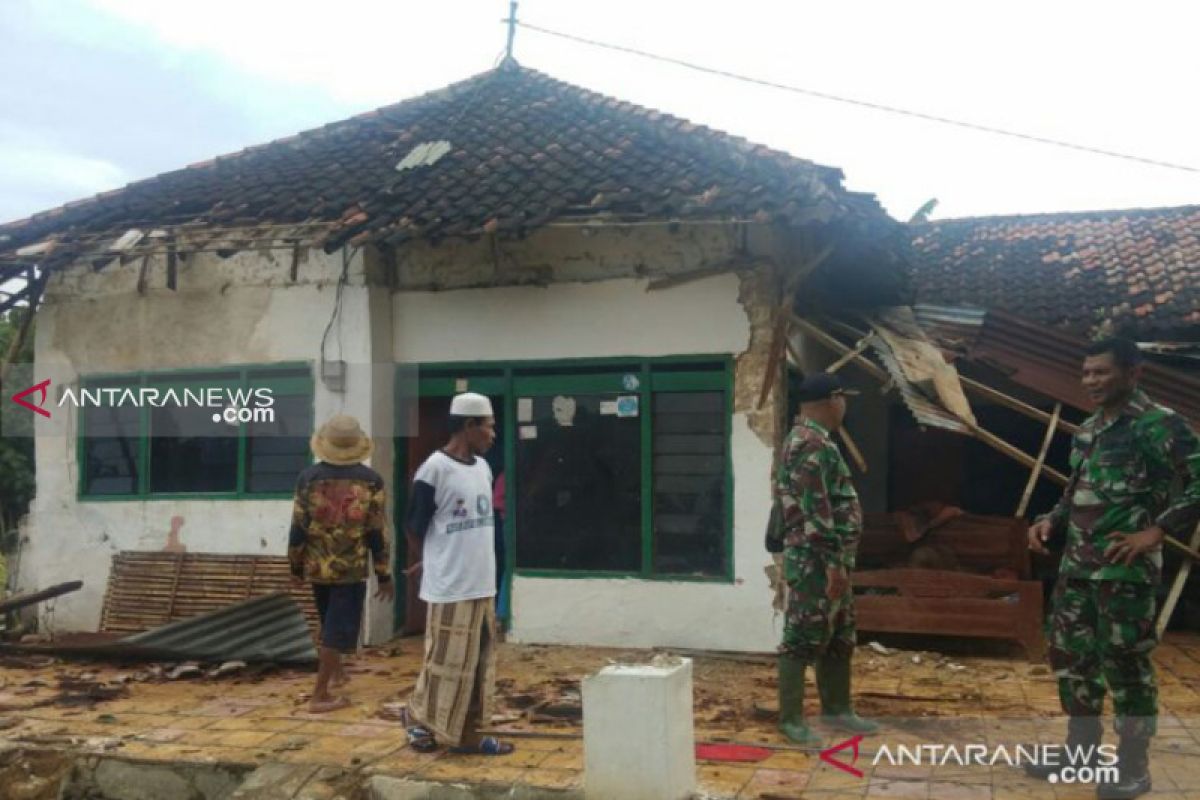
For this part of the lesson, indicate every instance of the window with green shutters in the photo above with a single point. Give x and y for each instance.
(177, 451)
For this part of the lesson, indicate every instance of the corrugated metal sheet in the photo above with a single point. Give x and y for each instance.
(263, 629)
(1048, 361)
(927, 412)
(951, 328)
(270, 628)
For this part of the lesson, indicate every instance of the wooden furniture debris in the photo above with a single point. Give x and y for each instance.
(993, 597)
(152, 588)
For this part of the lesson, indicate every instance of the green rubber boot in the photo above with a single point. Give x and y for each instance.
(791, 703)
(833, 684)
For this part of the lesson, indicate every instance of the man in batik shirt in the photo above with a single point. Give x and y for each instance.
(338, 524)
(1115, 512)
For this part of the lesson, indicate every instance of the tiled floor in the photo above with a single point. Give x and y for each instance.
(991, 702)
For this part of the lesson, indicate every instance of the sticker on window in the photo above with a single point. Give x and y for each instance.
(528, 432)
(627, 406)
(564, 411)
(608, 408)
(630, 382)
(525, 409)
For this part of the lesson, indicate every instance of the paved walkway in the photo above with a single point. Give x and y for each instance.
(925, 699)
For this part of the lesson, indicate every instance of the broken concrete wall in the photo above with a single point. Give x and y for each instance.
(242, 310)
(579, 252)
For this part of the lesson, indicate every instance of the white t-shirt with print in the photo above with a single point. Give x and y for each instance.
(459, 558)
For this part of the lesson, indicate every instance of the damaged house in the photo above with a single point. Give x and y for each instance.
(634, 292)
(611, 276)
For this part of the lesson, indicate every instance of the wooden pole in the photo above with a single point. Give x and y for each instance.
(1002, 399)
(1023, 506)
(844, 360)
(855, 454)
(18, 340)
(1181, 578)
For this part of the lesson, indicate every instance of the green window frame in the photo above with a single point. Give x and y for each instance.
(512, 380)
(285, 380)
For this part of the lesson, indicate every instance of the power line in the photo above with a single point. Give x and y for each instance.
(860, 103)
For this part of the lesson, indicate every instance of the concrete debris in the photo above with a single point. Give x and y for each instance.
(916, 659)
(228, 668)
(878, 648)
(185, 671)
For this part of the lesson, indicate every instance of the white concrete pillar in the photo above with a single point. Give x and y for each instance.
(638, 739)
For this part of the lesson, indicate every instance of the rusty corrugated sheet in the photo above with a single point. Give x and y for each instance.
(1048, 361)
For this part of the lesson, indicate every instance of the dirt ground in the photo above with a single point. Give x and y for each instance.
(257, 715)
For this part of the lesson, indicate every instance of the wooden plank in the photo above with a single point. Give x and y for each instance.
(1036, 473)
(1181, 577)
(149, 589)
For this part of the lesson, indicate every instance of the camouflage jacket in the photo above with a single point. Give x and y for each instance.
(338, 517)
(1122, 476)
(821, 515)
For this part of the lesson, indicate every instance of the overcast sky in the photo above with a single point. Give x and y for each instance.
(98, 93)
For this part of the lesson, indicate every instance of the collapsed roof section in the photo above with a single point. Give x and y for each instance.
(503, 153)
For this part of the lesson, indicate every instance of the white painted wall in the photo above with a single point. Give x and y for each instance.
(616, 318)
(243, 310)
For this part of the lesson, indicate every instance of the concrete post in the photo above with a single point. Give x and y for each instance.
(638, 739)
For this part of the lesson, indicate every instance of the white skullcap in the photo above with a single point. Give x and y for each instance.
(470, 404)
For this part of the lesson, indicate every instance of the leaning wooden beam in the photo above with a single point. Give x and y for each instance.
(774, 358)
(18, 341)
(983, 390)
(1023, 506)
(31, 598)
(1002, 399)
(862, 345)
(1181, 578)
(987, 437)
(855, 454)
(837, 347)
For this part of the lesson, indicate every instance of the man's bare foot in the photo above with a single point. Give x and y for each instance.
(325, 706)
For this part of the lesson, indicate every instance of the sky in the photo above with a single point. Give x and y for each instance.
(98, 93)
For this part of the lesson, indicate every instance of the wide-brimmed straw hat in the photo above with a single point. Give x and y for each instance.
(341, 441)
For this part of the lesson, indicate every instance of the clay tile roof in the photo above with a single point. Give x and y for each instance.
(1138, 268)
(523, 149)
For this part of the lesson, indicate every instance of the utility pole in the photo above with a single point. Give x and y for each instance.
(512, 30)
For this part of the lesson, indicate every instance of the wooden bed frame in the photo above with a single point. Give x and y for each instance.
(951, 603)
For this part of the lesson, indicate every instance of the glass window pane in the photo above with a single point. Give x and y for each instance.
(690, 462)
(578, 485)
(110, 450)
(277, 450)
(189, 452)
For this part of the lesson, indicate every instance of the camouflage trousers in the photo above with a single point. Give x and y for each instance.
(1101, 634)
(813, 624)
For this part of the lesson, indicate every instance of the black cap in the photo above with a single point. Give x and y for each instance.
(821, 386)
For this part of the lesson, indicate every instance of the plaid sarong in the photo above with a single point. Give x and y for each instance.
(458, 676)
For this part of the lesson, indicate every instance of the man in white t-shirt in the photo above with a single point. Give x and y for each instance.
(450, 518)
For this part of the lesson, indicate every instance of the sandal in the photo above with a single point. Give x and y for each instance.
(488, 746)
(420, 738)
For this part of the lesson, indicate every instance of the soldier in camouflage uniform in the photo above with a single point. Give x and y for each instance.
(1115, 512)
(819, 523)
